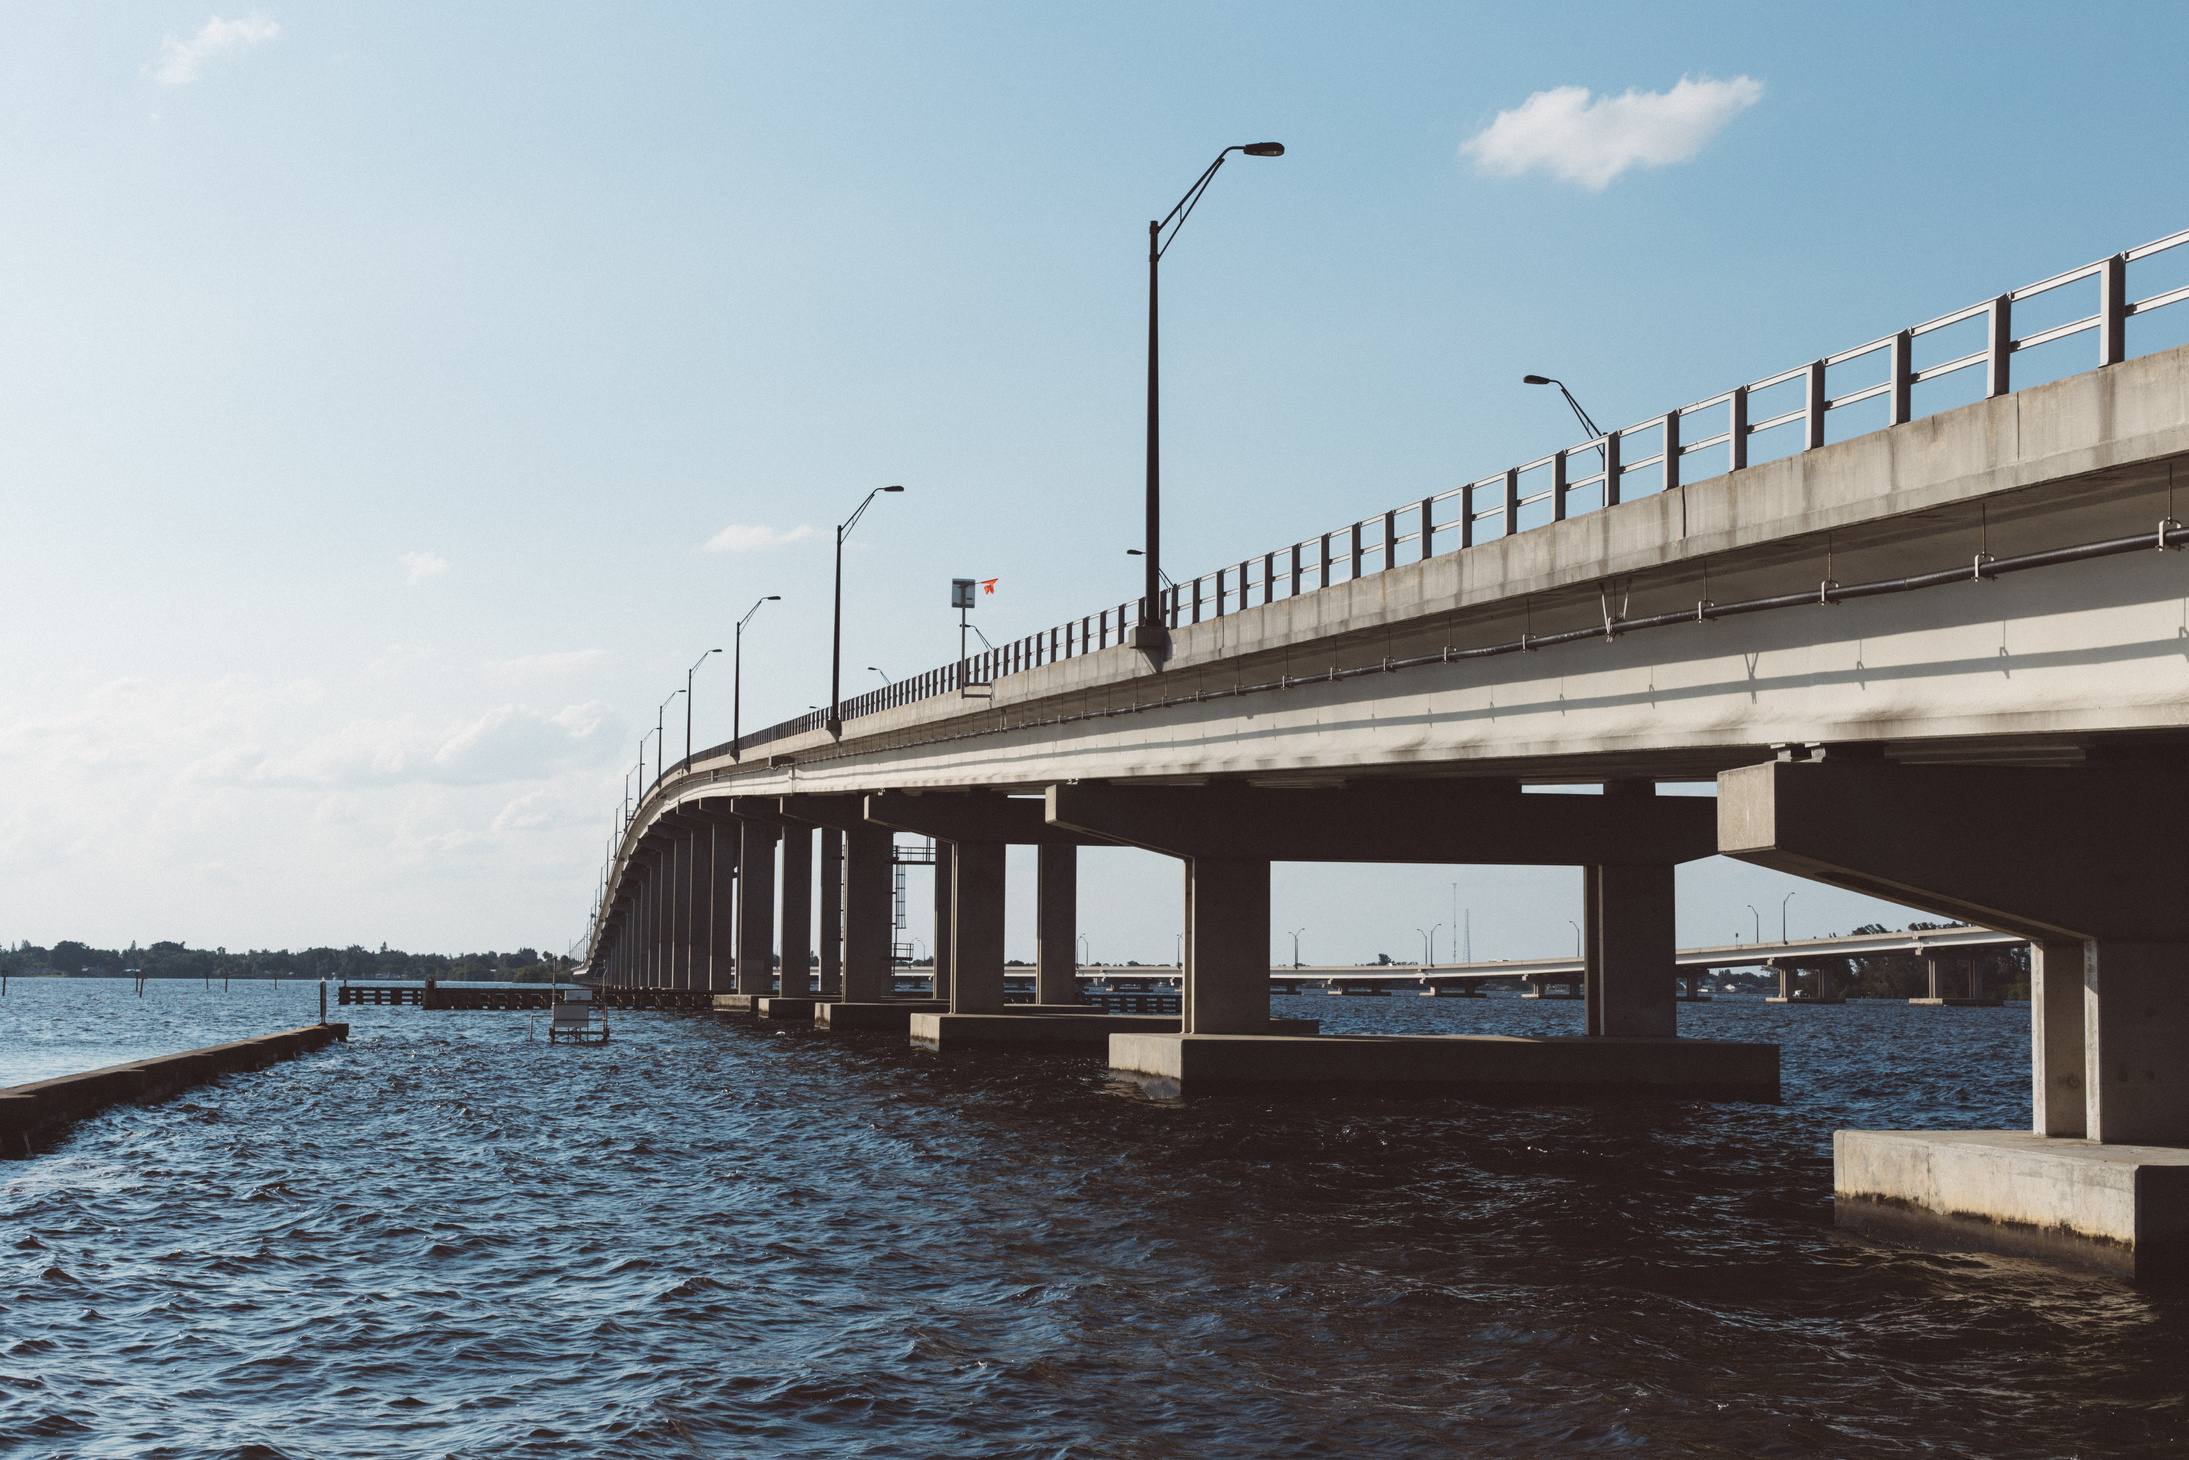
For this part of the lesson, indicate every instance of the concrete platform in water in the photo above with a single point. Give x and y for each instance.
(1960, 1003)
(2122, 1208)
(894, 1017)
(1189, 1064)
(1089, 1030)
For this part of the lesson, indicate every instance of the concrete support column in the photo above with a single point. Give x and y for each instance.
(2136, 1042)
(2058, 1102)
(869, 901)
(1631, 970)
(1227, 946)
(680, 912)
(797, 935)
(756, 907)
(1056, 925)
(943, 905)
(1930, 974)
(698, 882)
(1787, 979)
(976, 926)
(651, 924)
(832, 913)
(722, 909)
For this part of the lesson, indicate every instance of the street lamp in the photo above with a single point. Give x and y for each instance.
(835, 722)
(1759, 921)
(1296, 946)
(1576, 936)
(688, 705)
(1782, 913)
(872, 669)
(661, 753)
(737, 675)
(1149, 634)
(1586, 424)
(1429, 944)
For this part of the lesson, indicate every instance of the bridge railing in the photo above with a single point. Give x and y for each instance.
(1637, 460)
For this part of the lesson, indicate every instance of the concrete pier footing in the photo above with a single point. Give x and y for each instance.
(1960, 1003)
(1189, 1064)
(2122, 1208)
(1805, 999)
(863, 1018)
(1080, 1031)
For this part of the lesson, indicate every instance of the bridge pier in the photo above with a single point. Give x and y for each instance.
(795, 980)
(832, 913)
(723, 837)
(2102, 1175)
(1056, 925)
(1228, 835)
(868, 912)
(755, 908)
(945, 938)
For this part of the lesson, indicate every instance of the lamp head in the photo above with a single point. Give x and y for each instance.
(1537, 380)
(893, 489)
(1132, 552)
(771, 598)
(1264, 149)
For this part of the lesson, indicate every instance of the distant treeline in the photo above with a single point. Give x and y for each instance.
(173, 960)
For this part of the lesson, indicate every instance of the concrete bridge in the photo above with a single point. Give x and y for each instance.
(1945, 662)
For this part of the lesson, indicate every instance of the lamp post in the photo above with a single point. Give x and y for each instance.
(1296, 946)
(1586, 424)
(1782, 913)
(1759, 921)
(1429, 944)
(661, 752)
(835, 721)
(1576, 936)
(737, 674)
(872, 669)
(1150, 634)
(688, 706)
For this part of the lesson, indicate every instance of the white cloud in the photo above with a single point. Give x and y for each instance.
(1574, 139)
(423, 566)
(505, 744)
(737, 538)
(181, 62)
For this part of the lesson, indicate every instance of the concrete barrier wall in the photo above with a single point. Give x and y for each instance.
(36, 1114)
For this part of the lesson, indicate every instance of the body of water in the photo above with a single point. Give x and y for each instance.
(714, 1238)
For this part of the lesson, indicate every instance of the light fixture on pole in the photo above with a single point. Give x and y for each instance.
(1759, 921)
(661, 748)
(1296, 946)
(737, 676)
(1151, 635)
(1576, 936)
(834, 721)
(1782, 913)
(1429, 944)
(873, 670)
(1586, 424)
(688, 706)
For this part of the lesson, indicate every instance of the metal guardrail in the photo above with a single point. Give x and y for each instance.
(1653, 449)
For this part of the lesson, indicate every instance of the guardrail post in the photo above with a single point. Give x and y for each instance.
(1812, 413)
(1322, 575)
(2001, 322)
(1197, 600)
(1558, 486)
(1737, 429)
(2113, 310)
(1900, 376)
(1269, 577)
(1390, 539)
(1357, 550)
(1467, 515)
(1428, 527)
(1512, 501)
(1672, 450)
(1611, 468)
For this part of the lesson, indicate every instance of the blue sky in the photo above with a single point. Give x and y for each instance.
(376, 375)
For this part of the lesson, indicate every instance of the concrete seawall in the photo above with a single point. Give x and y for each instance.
(35, 1114)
